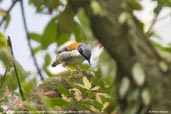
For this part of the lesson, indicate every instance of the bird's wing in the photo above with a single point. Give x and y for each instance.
(68, 58)
(68, 55)
(71, 47)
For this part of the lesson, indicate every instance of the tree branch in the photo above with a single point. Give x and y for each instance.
(157, 12)
(8, 11)
(15, 68)
(29, 41)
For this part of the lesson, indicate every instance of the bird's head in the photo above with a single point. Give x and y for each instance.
(85, 51)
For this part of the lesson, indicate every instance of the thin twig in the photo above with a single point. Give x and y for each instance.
(8, 11)
(29, 41)
(164, 17)
(15, 69)
(3, 78)
(151, 26)
(158, 10)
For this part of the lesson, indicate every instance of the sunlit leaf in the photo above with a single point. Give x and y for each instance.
(96, 8)
(3, 41)
(95, 88)
(87, 83)
(2, 13)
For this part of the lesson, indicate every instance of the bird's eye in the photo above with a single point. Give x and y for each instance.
(80, 50)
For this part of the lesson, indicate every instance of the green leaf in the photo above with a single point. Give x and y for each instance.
(65, 20)
(7, 20)
(3, 41)
(163, 48)
(155, 35)
(3, 13)
(65, 25)
(63, 38)
(96, 8)
(45, 6)
(84, 66)
(36, 37)
(28, 86)
(47, 60)
(85, 23)
(56, 102)
(49, 74)
(9, 82)
(87, 83)
(167, 3)
(80, 87)
(79, 32)
(50, 33)
(96, 104)
(135, 5)
(37, 49)
(64, 91)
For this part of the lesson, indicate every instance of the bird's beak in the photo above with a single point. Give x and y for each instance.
(89, 62)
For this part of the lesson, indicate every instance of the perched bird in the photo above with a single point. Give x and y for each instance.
(73, 54)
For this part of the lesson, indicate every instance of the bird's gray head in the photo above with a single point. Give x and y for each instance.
(85, 51)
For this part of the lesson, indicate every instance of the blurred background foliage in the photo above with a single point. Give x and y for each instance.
(67, 25)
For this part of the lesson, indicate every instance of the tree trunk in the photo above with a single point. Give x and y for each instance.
(128, 45)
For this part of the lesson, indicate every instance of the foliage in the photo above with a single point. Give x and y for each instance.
(78, 96)
(66, 24)
(3, 42)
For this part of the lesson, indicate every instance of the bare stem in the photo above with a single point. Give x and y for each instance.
(158, 10)
(29, 41)
(15, 69)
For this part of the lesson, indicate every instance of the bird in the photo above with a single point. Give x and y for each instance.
(73, 54)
